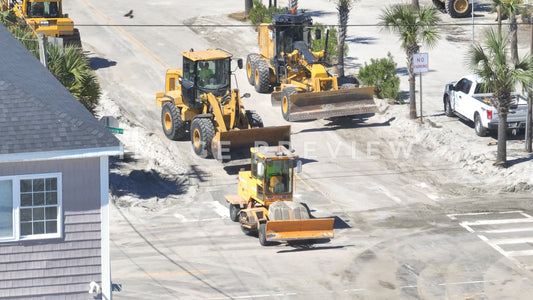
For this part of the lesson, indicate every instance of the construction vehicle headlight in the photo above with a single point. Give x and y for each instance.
(44, 23)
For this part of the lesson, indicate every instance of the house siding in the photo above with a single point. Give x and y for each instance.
(58, 268)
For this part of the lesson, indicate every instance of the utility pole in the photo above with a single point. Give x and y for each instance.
(42, 49)
(529, 102)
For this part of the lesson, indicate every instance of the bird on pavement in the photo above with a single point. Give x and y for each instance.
(129, 14)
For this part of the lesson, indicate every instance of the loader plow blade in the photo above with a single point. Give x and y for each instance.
(321, 105)
(242, 139)
(290, 230)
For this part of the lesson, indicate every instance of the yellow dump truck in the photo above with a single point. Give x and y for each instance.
(297, 77)
(264, 203)
(199, 98)
(46, 16)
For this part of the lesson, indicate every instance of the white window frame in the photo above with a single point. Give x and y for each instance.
(15, 182)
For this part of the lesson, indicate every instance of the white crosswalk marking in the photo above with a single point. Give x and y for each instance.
(508, 232)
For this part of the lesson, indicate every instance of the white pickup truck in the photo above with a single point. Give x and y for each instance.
(464, 99)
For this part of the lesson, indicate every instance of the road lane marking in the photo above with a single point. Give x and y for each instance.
(509, 230)
(513, 241)
(497, 222)
(523, 218)
(454, 216)
(129, 37)
(520, 253)
(305, 183)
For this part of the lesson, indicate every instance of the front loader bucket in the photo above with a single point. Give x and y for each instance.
(224, 143)
(291, 230)
(321, 105)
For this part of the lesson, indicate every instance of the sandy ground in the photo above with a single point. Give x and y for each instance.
(438, 140)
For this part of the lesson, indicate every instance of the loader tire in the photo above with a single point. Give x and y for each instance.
(234, 212)
(173, 125)
(262, 76)
(286, 102)
(262, 235)
(254, 119)
(202, 133)
(458, 8)
(251, 59)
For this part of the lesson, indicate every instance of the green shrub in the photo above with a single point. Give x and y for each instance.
(381, 73)
(259, 13)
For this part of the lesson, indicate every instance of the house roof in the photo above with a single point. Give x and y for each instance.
(39, 118)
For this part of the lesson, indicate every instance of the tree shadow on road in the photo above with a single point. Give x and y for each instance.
(146, 184)
(100, 63)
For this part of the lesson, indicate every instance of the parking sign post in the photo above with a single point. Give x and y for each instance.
(420, 65)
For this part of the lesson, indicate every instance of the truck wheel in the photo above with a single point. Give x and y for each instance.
(202, 133)
(262, 235)
(458, 8)
(173, 125)
(480, 130)
(262, 76)
(251, 59)
(254, 119)
(286, 102)
(448, 107)
(234, 212)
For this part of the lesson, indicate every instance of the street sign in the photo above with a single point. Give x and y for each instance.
(116, 130)
(420, 63)
(112, 124)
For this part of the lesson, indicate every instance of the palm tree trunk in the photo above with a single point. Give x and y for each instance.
(415, 4)
(344, 11)
(513, 33)
(499, 19)
(412, 86)
(501, 155)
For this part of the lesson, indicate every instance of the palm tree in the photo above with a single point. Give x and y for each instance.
(343, 7)
(415, 4)
(500, 76)
(511, 8)
(414, 26)
(71, 67)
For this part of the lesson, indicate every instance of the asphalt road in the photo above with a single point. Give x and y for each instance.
(396, 236)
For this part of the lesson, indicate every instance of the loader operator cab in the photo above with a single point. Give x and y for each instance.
(43, 9)
(275, 172)
(205, 72)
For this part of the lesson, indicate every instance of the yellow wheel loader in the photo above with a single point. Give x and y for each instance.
(455, 8)
(297, 77)
(199, 98)
(264, 204)
(46, 16)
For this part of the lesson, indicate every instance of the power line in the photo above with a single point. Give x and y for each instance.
(254, 26)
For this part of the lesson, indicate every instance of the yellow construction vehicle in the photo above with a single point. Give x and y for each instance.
(46, 16)
(455, 8)
(297, 76)
(199, 97)
(264, 201)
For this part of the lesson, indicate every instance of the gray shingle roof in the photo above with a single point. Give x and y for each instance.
(37, 114)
